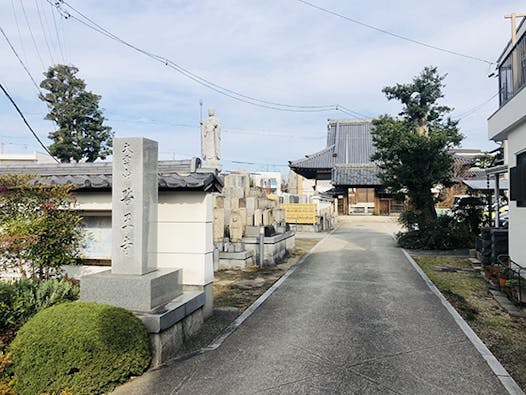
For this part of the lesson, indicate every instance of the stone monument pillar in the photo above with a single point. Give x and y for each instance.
(134, 206)
(211, 141)
(134, 281)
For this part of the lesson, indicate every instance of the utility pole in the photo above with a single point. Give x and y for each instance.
(513, 16)
(201, 127)
(514, 55)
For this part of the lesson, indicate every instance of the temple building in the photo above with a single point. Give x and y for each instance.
(344, 169)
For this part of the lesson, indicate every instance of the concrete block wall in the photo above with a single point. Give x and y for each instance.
(185, 232)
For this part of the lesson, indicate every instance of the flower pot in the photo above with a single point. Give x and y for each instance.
(491, 273)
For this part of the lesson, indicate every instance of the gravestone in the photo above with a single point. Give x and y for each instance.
(267, 217)
(279, 215)
(236, 226)
(258, 217)
(251, 206)
(219, 224)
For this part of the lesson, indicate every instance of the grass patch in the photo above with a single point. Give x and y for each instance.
(469, 293)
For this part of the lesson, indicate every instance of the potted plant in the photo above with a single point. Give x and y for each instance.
(504, 275)
(491, 273)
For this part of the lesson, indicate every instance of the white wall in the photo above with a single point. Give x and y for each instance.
(184, 232)
(185, 235)
(94, 201)
(508, 124)
(517, 221)
(508, 117)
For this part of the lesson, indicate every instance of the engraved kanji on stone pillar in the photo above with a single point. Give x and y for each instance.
(134, 206)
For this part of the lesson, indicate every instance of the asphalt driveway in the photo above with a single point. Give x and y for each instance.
(355, 318)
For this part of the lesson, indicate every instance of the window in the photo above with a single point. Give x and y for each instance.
(506, 81)
(512, 72)
(518, 181)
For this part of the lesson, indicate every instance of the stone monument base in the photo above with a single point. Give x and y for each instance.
(236, 260)
(142, 293)
(276, 247)
(212, 164)
(172, 324)
(170, 314)
(208, 290)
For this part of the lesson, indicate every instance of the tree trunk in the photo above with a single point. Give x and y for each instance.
(428, 217)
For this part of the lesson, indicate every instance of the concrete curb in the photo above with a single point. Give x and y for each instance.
(507, 381)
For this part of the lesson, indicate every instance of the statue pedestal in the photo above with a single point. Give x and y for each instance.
(212, 164)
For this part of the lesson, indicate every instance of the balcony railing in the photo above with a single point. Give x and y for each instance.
(512, 71)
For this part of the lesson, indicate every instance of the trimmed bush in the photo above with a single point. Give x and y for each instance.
(80, 347)
(22, 299)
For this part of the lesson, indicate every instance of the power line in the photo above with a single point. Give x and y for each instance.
(268, 134)
(20, 60)
(31, 33)
(473, 110)
(18, 28)
(244, 131)
(257, 163)
(389, 33)
(27, 123)
(44, 32)
(190, 75)
(58, 35)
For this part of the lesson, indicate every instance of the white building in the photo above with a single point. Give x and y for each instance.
(508, 125)
(25, 159)
(267, 181)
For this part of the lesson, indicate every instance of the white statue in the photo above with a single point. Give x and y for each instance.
(211, 139)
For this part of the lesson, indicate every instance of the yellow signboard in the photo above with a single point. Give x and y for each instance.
(300, 213)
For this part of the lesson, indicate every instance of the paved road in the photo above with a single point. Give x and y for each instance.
(355, 318)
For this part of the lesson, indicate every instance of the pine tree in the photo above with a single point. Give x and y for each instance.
(412, 150)
(81, 134)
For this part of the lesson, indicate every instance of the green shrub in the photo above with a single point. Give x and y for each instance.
(80, 347)
(448, 233)
(40, 230)
(22, 299)
(7, 381)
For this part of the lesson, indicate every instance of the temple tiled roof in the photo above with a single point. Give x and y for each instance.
(357, 174)
(347, 156)
(348, 141)
(173, 175)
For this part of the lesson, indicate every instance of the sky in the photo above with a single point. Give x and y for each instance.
(276, 51)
